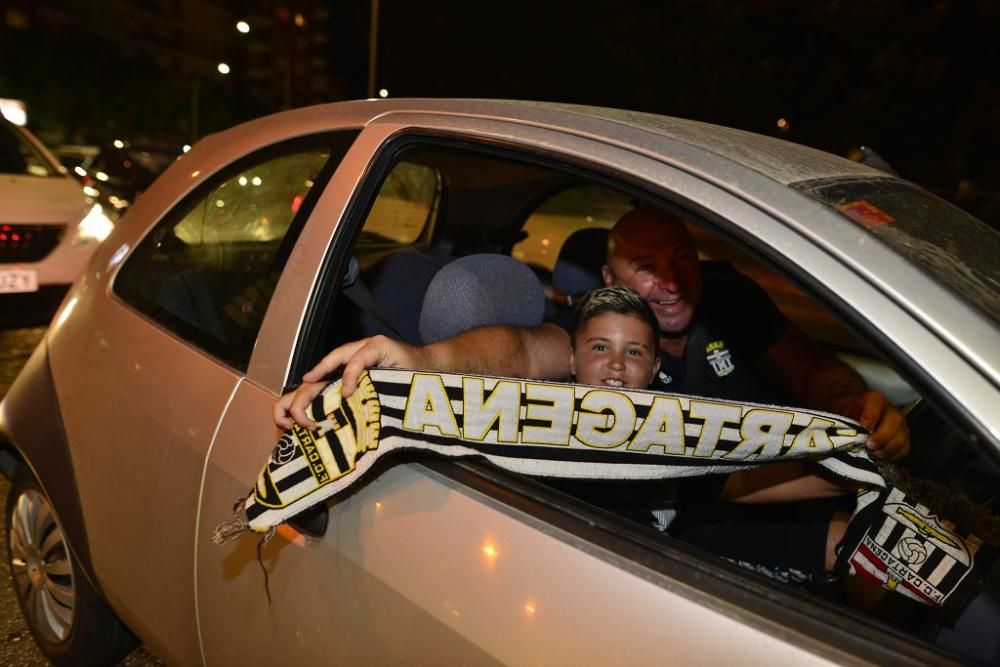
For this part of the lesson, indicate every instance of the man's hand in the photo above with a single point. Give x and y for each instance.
(889, 438)
(820, 380)
(354, 358)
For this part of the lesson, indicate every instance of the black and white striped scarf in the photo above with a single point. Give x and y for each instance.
(573, 431)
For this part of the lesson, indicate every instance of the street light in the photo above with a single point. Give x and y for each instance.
(372, 49)
(243, 27)
(223, 68)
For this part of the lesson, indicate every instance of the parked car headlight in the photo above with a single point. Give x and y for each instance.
(95, 226)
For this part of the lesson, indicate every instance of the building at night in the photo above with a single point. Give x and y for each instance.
(167, 70)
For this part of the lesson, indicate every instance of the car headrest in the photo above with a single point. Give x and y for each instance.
(397, 284)
(578, 267)
(481, 290)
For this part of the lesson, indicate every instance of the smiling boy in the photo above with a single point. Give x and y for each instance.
(615, 340)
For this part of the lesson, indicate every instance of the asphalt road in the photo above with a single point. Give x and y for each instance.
(17, 648)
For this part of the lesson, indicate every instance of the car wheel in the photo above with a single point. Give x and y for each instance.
(70, 622)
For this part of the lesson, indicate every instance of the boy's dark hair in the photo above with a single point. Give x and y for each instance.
(616, 299)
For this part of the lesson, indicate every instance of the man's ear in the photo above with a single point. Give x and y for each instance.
(608, 275)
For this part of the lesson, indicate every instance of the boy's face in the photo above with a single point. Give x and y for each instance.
(615, 350)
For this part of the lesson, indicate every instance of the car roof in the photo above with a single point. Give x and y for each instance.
(780, 160)
(757, 168)
(783, 161)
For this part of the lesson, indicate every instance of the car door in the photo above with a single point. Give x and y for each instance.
(169, 331)
(448, 563)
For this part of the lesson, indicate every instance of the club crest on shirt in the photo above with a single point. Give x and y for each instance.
(719, 358)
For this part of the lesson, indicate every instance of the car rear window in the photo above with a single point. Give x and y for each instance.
(208, 270)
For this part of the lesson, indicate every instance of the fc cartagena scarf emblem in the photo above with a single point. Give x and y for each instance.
(550, 430)
(895, 541)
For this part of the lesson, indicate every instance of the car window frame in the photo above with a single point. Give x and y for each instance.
(710, 219)
(868, 633)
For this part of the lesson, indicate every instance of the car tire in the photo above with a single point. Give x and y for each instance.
(68, 619)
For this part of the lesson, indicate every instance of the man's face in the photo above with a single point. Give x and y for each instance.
(657, 258)
(615, 350)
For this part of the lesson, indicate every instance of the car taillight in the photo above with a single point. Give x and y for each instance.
(28, 243)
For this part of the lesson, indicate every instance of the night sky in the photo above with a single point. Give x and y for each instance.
(916, 81)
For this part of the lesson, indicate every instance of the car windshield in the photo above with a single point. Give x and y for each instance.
(19, 156)
(943, 240)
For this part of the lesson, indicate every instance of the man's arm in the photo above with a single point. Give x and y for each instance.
(538, 353)
(782, 483)
(821, 381)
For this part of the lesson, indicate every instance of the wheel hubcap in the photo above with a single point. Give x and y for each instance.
(43, 572)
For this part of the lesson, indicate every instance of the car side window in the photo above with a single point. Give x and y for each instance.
(404, 210)
(208, 269)
(549, 225)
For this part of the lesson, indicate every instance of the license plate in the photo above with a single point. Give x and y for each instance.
(18, 280)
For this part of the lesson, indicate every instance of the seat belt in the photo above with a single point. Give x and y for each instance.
(355, 289)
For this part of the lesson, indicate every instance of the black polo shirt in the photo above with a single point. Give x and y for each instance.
(733, 327)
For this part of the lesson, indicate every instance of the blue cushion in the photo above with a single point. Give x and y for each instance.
(398, 284)
(578, 267)
(481, 290)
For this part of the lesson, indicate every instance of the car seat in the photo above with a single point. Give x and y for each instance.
(578, 267)
(397, 284)
(481, 290)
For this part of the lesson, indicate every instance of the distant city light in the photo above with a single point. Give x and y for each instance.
(185, 148)
(300, 20)
(223, 68)
(256, 180)
(243, 27)
(119, 143)
(383, 92)
(80, 171)
(101, 176)
(15, 111)
(782, 124)
(242, 180)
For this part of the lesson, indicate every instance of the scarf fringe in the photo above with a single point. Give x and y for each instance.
(227, 531)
